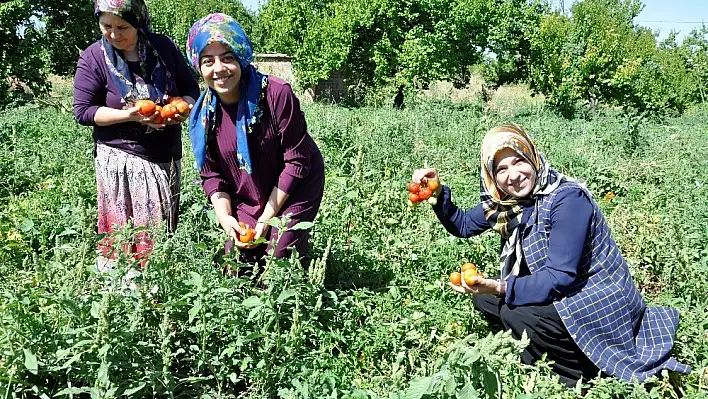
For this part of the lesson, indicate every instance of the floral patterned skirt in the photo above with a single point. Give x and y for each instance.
(132, 189)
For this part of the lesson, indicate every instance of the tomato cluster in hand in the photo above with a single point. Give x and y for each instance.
(250, 233)
(174, 106)
(425, 191)
(468, 273)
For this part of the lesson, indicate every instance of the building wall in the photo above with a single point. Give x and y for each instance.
(280, 65)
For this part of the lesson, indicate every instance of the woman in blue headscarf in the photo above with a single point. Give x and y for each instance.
(137, 159)
(250, 142)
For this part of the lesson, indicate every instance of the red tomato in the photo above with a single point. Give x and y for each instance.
(425, 193)
(413, 187)
(414, 198)
(169, 111)
(182, 107)
(250, 233)
(145, 107)
(174, 100)
(456, 278)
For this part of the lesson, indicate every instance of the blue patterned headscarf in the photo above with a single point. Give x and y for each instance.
(136, 14)
(223, 29)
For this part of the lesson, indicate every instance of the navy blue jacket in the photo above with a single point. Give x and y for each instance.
(570, 216)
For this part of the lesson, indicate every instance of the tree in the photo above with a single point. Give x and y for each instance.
(395, 43)
(174, 17)
(22, 57)
(599, 54)
(69, 27)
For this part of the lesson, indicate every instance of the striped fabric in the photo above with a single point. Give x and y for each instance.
(602, 308)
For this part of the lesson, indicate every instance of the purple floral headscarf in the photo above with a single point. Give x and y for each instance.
(136, 14)
(221, 28)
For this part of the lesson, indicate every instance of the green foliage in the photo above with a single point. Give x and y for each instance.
(23, 58)
(399, 43)
(174, 17)
(599, 55)
(368, 319)
(695, 49)
(69, 27)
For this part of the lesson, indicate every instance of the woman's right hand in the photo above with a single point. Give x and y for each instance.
(419, 175)
(425, 173)
(233, 229)
(134, 115)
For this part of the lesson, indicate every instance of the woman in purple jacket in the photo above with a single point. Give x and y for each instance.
(250, 142)
(563, 280)
(137, 160)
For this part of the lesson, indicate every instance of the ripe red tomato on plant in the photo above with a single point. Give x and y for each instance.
(414, 198)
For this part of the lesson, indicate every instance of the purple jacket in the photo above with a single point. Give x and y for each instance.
(282, 151)
(94, 88)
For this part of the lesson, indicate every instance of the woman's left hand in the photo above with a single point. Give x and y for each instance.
(179, 118)
(261, 230)
(483, 286)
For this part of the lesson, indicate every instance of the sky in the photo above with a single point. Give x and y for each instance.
(662, 15)
(679, 15)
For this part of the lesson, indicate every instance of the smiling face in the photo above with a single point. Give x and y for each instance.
(221, 71)
(119, 33)
(513, 174)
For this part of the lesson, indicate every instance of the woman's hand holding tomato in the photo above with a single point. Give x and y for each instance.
(173, 113)
(424, 186)
(237, 231)
(428, 177)
(135, 115)
(471, 281)
(261, 230)
(482, 286)
(176, 111)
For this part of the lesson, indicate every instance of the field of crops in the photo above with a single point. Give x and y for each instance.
(369, 318)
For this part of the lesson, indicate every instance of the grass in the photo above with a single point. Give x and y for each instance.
(377, 323)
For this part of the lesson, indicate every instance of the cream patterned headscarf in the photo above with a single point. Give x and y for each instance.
(502, 211)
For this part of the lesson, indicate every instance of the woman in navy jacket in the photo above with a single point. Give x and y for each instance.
(563, 279)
